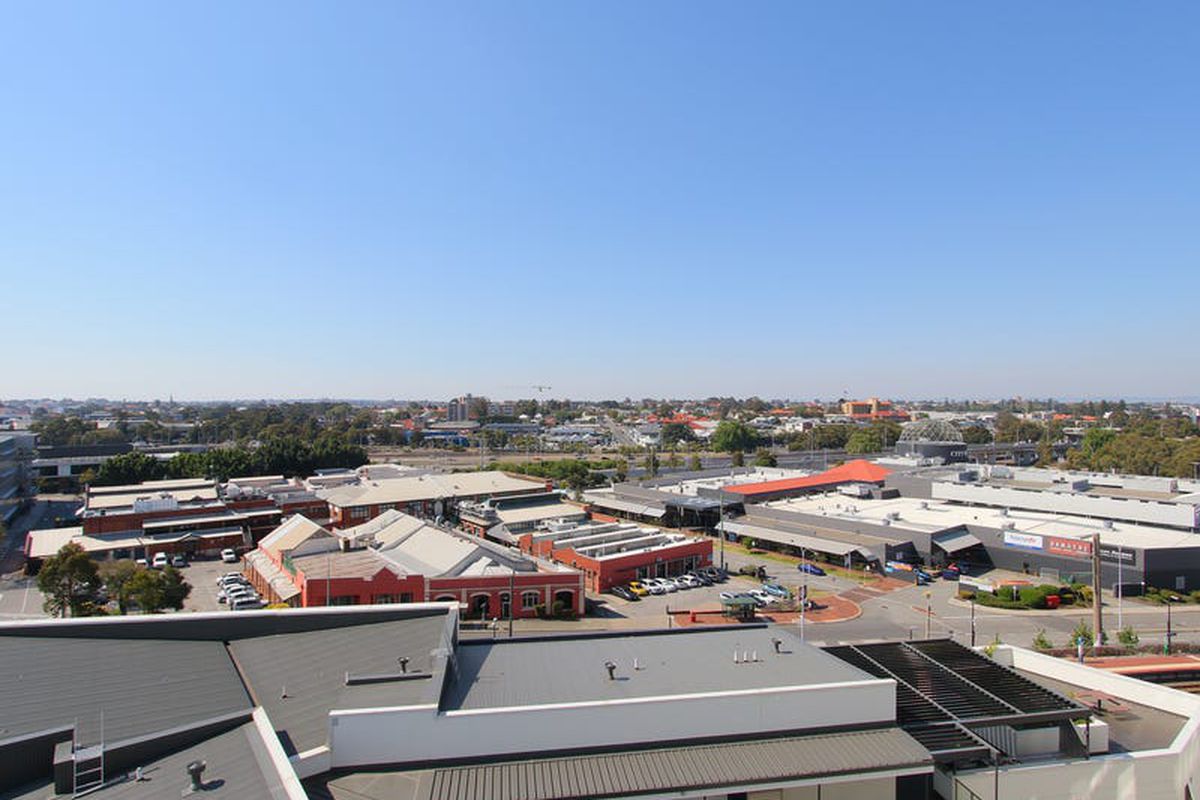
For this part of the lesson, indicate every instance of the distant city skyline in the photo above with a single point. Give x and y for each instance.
(677, 200)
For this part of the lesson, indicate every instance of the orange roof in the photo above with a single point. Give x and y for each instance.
(857, 471)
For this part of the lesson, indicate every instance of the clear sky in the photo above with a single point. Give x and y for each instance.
(650, 199)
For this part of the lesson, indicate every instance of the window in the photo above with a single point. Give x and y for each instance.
(386, 507)
(505, 605)
(344, 600)
(381, 599)
(359, 512)
(446, 598)
(406, 597)
(530, 599)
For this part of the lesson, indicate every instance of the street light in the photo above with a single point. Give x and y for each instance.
(1167, 641)
(928, 612)
(972, 622)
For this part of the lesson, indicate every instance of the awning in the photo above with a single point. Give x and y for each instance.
(954, 541)
(800, 540)
(604, 501)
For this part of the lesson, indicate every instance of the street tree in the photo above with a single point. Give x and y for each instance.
(69, 579)
(731, 436)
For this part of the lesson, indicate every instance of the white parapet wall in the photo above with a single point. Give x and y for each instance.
(421, 733)
(1145, 774)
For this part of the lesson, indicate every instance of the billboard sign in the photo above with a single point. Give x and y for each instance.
(1029, 541)
(1076, 548)
(1123, 555)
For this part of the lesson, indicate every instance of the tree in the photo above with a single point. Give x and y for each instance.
(116, 576)
(1128, 637)
(651, 464)
(175, 588)
(146, 590)
(738, 459)
(864, 441)
(731, 436)
(694, 463)
(69, 579)
(676, 432)
(134, 467)
(976, 434)
(1041, 641)
(763, 457)
(674, 460)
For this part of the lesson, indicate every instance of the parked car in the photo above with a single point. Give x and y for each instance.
(949, 574)
(759, 571)
(246, 603)
(761, 596)
(229, 555)
(638, 589)
(623, 592)
(719, 575)
(811, 569)
(178, 561)
(654, 586)
(232, 593)
(160, 560)
(700, 578)
(776, 590)
(682, 582)
(141, 562)
(667, 584)
(728, 595)
(231, 578)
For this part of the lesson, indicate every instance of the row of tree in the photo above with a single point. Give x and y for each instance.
(285, 455)
(75, 585)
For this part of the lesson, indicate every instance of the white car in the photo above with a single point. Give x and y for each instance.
(762, 597)
(160, 560)
(229, 555)
(246, 603)
(668, 584)
(230, 576)
(654, 586)
(233, 593)
(692, 581)
(178, 561)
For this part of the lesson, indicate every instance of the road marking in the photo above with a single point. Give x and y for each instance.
(25, 599)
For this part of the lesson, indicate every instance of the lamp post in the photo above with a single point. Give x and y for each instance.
(928, 612)
(1167, 640)
(972, 622)
(803, 593)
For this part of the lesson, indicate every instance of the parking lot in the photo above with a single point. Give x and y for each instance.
(202, 574)
(609, 605)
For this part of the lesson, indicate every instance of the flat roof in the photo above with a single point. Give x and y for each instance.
(856, 471)
(571, 669)
(429, 487)
(935, 516)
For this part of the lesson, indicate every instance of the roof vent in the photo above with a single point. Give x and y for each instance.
(194, 770)
(612, 670)
(403, 663)
(1108, 524)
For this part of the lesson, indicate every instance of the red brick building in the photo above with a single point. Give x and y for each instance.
(397, 558)
(615, 553)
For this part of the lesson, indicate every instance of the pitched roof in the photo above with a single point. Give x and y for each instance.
(297, 530)
(858, 471)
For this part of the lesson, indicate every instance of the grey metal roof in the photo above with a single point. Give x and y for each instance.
(953, 541)
(238, 768)
(312, 668)
(629, 773)
(817, 543)
(141, 686)
(607, 500)
(571, 669)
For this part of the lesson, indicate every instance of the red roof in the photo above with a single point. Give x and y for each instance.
(857, 471)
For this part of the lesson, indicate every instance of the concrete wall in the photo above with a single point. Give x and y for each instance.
(868, 789)
(360, 737)
(1146, 774)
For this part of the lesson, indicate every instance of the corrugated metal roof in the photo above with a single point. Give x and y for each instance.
(693, 767)
(831, 546)
(857, 471)
(953, 541)
(142, 686)
(604, 500)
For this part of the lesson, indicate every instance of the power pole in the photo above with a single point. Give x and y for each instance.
(1097, 617)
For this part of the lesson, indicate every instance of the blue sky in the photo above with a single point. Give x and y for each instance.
(667, 199)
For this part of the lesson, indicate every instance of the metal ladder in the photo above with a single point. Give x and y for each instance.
(87, 762)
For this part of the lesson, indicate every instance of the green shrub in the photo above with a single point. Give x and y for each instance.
(992, 601)
(1127, 636)
(1042, 642)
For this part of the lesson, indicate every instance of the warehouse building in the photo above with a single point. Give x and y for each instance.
(429, 496)
(1056, 546)
(618, 552)
(506, 518)
(1164, 502)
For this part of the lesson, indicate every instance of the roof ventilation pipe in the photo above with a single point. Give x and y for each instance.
(194, 770)
(612, 670)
